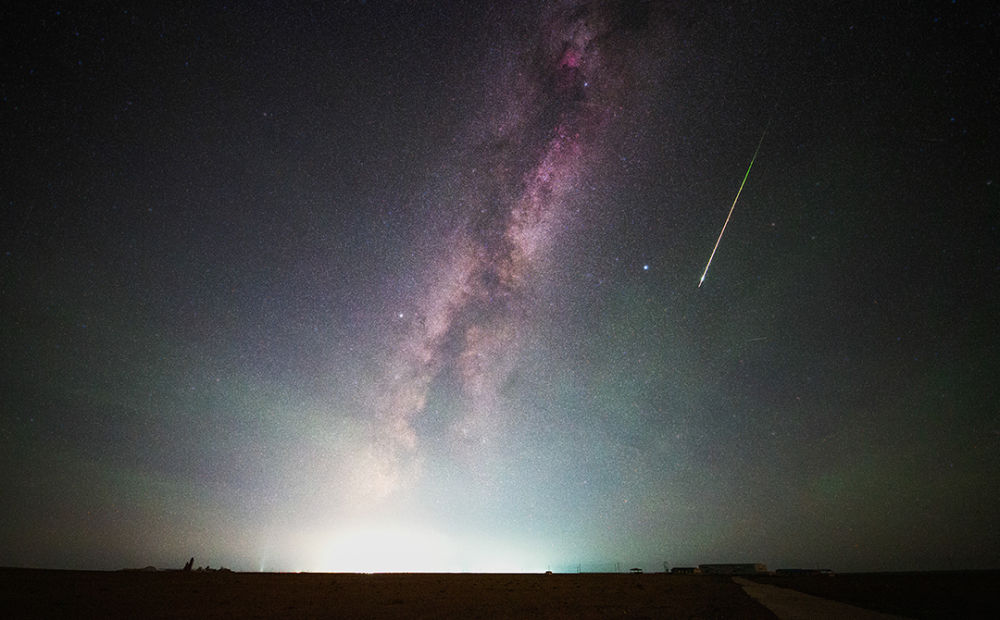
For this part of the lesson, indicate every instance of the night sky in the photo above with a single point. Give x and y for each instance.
(414, 286)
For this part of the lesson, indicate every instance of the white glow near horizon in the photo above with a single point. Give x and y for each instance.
(396, 548)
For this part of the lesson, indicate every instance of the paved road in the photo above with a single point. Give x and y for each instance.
(792, 605)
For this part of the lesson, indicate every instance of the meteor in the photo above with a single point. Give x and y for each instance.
(726, 223)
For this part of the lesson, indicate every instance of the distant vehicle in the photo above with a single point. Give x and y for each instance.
(635, 571)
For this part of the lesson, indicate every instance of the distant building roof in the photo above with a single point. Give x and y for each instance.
(733, 569)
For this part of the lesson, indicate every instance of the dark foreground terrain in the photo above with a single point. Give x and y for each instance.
(79, 594)
(169, 594)
(937, 595)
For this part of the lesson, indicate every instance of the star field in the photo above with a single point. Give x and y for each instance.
(414, 286)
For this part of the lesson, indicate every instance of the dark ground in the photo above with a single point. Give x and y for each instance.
(82, 594)
(958, 594)
(30, 593)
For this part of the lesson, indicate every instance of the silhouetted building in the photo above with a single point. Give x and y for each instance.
(732, 569)
(685, 570)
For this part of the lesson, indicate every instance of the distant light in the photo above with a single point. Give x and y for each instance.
(645, 267)
(398, 547)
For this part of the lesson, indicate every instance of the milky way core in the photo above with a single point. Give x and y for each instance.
(555, 99)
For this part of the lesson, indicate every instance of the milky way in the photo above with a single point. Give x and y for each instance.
(555, 104)
(411, 285)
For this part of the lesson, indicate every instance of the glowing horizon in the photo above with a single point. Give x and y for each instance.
(400, 547)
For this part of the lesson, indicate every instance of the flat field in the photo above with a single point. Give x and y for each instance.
(172, 594)
(924, 595)
(30, 593)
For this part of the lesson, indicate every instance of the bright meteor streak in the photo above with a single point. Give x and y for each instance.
(726, 223)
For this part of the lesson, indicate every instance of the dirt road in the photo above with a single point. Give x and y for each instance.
(791, 605)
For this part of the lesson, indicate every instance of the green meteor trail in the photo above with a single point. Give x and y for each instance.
(745, 176)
